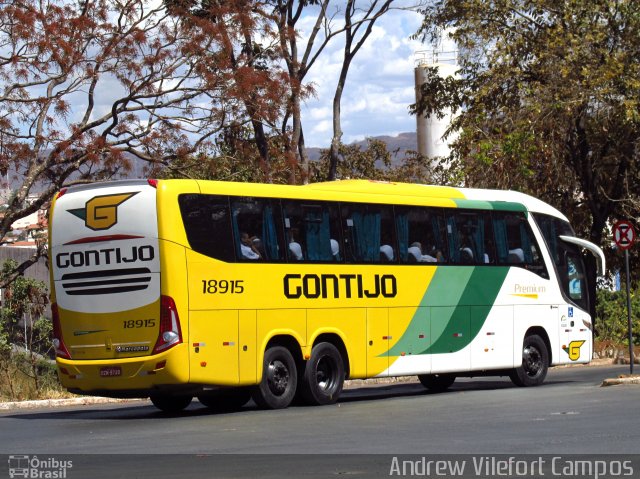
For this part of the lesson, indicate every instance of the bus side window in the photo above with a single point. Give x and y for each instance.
(420, 233)
(470, 237)
(256, 234)
(312, 231)
(515, 243)
(207, 223)
(369, 233)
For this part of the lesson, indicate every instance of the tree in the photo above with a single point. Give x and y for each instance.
(249, 50)
(288, 13)
(235, 159)
(281, 40)
(372, 163)
(548, 97)
(85, 84)
(358, 26)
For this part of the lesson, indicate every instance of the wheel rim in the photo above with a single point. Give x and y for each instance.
(325, 373)
(532, 361)
(277, 377)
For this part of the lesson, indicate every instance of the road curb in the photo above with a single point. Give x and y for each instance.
(622, 379)
(82, 401)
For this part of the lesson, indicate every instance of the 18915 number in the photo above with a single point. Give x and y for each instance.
(222, 286)
(139, 323)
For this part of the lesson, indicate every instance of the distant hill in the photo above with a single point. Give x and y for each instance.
(401, 143)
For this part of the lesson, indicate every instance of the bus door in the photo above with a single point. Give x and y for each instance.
(575, 325)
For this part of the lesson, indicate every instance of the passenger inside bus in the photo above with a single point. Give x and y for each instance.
(247, 247)
(416, 253)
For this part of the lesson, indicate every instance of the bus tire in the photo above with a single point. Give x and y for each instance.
(226, 399)
(535, 363)
(323, 375)
(168, 403)
(437, 382)
(279, 381)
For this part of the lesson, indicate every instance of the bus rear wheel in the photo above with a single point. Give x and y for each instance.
(535, 363)
(226, 399)
(168, 403)
(437, 382)
(323, 375)
(279, 379)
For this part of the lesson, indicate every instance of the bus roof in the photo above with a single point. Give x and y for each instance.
(372, 191)
(403, 193)
(492, 197)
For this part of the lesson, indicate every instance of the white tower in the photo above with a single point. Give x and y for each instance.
(431, 129)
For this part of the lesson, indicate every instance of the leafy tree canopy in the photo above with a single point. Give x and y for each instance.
(548, 101)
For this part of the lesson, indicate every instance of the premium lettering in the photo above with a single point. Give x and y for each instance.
(324, 286)
(78, 259)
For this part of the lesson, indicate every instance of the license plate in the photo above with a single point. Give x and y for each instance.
(110, 371)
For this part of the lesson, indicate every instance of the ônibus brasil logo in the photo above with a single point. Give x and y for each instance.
(34, 467)
(101, 212)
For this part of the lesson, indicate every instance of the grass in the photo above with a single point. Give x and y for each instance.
(17, 382)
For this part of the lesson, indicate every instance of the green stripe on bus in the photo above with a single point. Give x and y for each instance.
(453, 309)
(489, 205)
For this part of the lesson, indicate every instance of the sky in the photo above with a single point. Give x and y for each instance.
(379, 88)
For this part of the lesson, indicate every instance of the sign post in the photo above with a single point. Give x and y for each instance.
(624, 236)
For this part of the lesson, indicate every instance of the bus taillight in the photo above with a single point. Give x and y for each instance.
(58, 341)
(170, 333)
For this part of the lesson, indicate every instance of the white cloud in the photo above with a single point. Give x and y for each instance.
(379, 88)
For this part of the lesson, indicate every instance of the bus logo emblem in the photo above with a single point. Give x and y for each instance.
(574, 350)
(101, 212)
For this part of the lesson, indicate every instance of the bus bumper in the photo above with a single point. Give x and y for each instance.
(127, 377)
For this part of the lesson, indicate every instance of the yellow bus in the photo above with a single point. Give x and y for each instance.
(174, 289)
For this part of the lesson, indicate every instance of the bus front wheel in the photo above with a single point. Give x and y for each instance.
(168, 403)
(437, 382)
(323, 375)
(535, 363)
(279, 379)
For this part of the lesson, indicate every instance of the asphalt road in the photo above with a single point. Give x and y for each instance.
(569, 414)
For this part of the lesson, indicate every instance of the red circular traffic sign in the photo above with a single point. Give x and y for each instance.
(623, 234)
